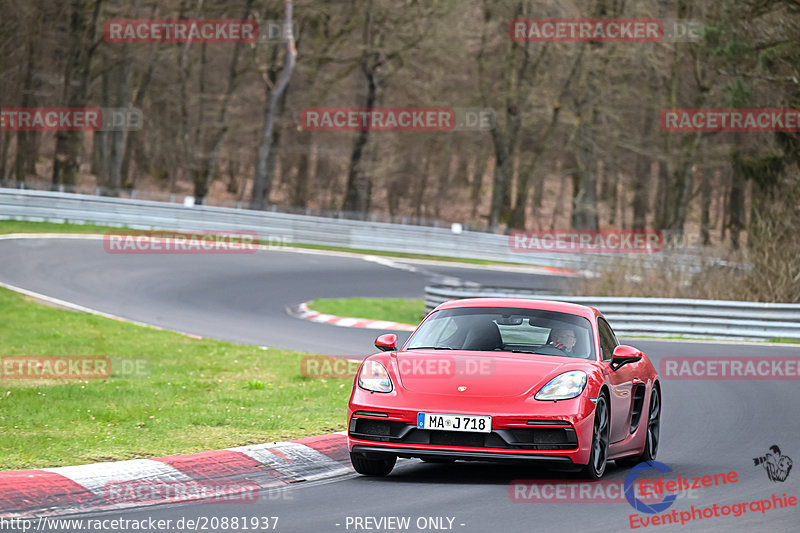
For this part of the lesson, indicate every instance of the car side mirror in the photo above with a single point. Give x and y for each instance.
(624, 354)
(387, 342)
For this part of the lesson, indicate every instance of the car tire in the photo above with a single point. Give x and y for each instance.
(373, 467)
(598, 458)
(653, 434)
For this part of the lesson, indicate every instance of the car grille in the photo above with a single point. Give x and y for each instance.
(535, 438)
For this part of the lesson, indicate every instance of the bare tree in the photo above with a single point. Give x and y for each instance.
(83, 29)
(258, 199)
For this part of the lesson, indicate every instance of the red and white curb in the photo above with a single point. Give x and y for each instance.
(73, 489)
(302, 311)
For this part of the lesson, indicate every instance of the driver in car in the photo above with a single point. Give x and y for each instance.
(564, 339)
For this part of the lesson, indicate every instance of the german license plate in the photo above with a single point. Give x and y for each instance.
(444, 422)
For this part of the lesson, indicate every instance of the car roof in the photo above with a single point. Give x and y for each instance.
(524, 303)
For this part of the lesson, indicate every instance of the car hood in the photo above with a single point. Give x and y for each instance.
(483, 374)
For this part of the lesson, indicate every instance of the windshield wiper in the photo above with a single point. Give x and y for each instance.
(550, 354)
(430, 348)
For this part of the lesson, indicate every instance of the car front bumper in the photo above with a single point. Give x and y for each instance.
(558, 433)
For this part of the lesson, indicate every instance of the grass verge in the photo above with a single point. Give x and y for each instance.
(195, 394)
(784, 340)
(22, 226)
(406, 311)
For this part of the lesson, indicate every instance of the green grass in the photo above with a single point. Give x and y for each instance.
(196, 395)
(784, 340)
(404, 255)
(21, 226)
(17, 226)
(406, 311)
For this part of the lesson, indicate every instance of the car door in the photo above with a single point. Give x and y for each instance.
(620, 381)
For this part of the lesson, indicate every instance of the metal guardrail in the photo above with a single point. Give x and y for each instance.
(172, 198)
(659, 317)
(631, 316)
(142, 214)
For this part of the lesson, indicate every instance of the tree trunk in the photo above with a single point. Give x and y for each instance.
(517, 218)
(260, 185)
(447, 177)
(588, 113)
(505, 139)
(5, 141)
(299, 193)
(680, 184)
(118, 136)
(736, 201)
(419, 198)
(100, 137)
(661, 192)
(584, 177)
(184, 74)
(642, 174)
(476, 184)
(66, 162)
(28, 141)
(197, 161)
(679, 188)
(611, 179)
(133, 142)
(560, 197)
(211, 157)
(705, 207)
(359, 183)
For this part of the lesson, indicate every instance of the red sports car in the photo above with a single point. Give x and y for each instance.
(493, 379)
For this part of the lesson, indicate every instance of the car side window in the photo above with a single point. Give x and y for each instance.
(443, 328)
(607, 339)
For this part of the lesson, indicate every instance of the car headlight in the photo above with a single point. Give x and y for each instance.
(374, 377)
(563, 387)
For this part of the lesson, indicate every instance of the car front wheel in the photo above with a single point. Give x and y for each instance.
(599, 456)
(373, 467)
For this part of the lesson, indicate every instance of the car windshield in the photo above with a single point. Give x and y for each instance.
(499, 329)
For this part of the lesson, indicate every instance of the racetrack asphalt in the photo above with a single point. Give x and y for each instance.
(708, 427)
(240, 298)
